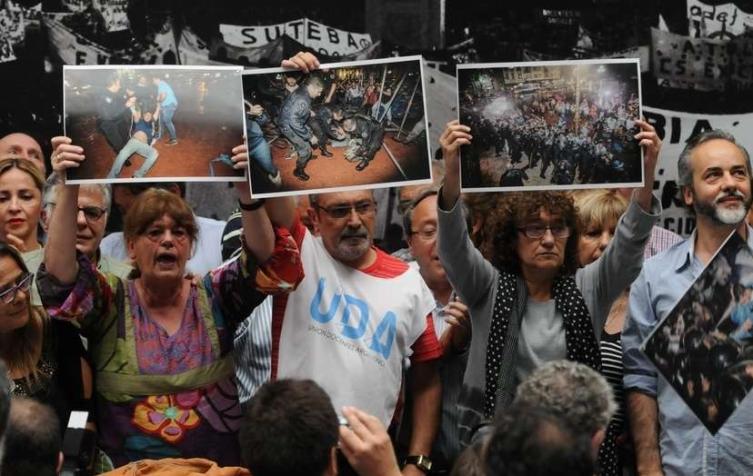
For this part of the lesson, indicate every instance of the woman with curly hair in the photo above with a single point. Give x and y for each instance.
(530, 303)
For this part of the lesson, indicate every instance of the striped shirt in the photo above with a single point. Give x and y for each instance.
(253, 351)
(611, 368)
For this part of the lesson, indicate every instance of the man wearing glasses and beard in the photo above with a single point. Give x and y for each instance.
(355, 318)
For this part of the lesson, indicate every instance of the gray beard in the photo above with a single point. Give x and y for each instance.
(720, 215)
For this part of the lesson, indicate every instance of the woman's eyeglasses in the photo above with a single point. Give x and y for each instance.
(537, 230)
(8, 295)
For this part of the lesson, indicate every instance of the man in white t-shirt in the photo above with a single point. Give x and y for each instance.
(355, 318)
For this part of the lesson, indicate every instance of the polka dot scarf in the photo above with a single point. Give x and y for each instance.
(508, 307)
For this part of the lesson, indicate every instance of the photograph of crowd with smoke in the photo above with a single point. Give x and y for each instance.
(359, 125)
(704, 347)
(144, 124)
(550, 125)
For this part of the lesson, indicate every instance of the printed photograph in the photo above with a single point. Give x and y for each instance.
(704, 346)
(144, 123)
(347, 126)
(550, 125)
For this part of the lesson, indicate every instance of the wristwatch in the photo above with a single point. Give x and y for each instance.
(421, 461)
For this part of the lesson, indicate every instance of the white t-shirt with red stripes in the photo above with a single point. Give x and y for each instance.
(350, 330)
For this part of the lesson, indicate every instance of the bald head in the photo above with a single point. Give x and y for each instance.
(22, 146)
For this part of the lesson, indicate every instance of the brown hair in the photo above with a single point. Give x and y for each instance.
(479, 205)
(514, 210)
(22, 348)
(153, 204)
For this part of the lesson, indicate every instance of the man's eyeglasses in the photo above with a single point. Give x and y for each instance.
(341, 211)
(8, 295)
(537, 230)
(426, 234)
(92, 213)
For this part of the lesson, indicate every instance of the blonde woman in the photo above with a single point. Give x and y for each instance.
(21, 185)
(599, 211)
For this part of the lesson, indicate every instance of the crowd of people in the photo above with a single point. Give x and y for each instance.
(287, 343)
(569, 138)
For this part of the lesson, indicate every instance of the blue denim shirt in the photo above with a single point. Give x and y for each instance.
(686, 445)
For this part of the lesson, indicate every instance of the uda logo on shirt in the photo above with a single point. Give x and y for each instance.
(354, 320)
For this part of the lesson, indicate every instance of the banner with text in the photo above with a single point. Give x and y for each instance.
(321, 38)
(723, 21)
(689, 63)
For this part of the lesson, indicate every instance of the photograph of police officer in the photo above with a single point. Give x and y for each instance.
(154, 123)
(344, 125)
(550, 125)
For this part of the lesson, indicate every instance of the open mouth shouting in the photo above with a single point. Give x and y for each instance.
(166, 260)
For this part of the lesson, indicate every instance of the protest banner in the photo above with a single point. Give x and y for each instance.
(722, 21)
(321, 38)
(689, 63)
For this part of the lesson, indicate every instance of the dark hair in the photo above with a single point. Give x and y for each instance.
(289, 429)
(530, 442)
(479, 205)
(33, 441)
(514, 210)
(22, 350)
(4, 402)
(408, 215)
(470, 462)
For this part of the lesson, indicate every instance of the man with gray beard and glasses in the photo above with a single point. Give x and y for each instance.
(356, 317)
(715, 175)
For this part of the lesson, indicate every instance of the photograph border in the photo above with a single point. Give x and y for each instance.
(551, 187)
(660, 324)
(349, 188)
(229, 68)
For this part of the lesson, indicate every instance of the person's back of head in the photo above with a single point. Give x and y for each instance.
(531, 442)
(32, 440)
(289, 428)
(573, 392)
(470, 462)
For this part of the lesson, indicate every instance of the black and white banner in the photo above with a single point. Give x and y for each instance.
(723, 21)
(323, 39)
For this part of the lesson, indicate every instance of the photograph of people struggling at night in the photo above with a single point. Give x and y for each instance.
(345, 126)
(143, 123)
(551, 125)
(704, 346)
